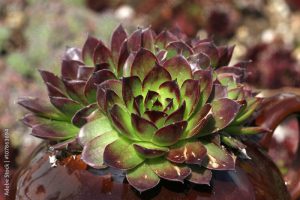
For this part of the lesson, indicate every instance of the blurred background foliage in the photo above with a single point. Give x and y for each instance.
(35, 33)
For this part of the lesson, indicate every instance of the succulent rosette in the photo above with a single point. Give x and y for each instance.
(155, 106)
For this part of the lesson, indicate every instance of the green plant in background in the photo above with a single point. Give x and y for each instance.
(156, 106)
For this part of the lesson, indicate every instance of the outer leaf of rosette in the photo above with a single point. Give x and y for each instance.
(149, 150)
(218, 157)
(166, 170)
(179, 69)
(142, 178)
(143, 63)
(93, 151)
(114, 155)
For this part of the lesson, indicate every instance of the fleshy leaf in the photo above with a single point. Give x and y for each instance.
(199, 61)
(198, 121)
(65, 105)
(93, 150)
(135, 40)
(157, 117)
(191, 153)
(170, 134)
(210, 50)
(149, 150)
(142, 178)
(98, 77)
(84, 115)
(49, 77)
(224, 112)
(118, 37)
(93, 129)
(41, 108)
(190, 92)
(164, 38)
(177, 115)
(145, 129)
(88, 50)
(219, 158)
(122, 121)
(103, 55)
(143, 63)
(114, 85)
(114, 155)
(148, 40)
(32, 120)
(178, 48)
(240, 130)
(55, 130)
(206, 83)
(131, 87)
(200, 175)
(170, 90)
(69, 69)
(169, 171)
(179, 69)
(155, 78)
(75, 89)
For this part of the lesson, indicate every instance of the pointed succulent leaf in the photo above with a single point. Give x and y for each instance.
(145, 129)
(94, 129)
(111, 98)
(177, 115)
(198, 121)
(206, 81)
(155, 78)
(190, 92)
(52, 79)
(114, 155)
(148, 40)
(178, 48)
(103, 55)
(131, 88)
(55, 130)
(170, 90)
(84, 72)
(199, 61)
(122, 121)
(142, 178)
(75, 89)
(41, 108)
(164, 38)
(166, 170)
(67, 106)
(219, 92)
(179, 69)
(93, 150)
(242, 116)
(138, 106)
(123, 56)
(32, 120)
(142, 64)
(88, 49)
(232, 142)
(210, 50)
(85, 114)
(192, 152)
(97, 78)
(200, 175)
(170, 134)
(157, 117)
(135, 40)
(225, 54)
(118, 37)
(224, 112)
(219, 158)
(54, 91)
(69, 69)
(240, 130)
(72, 53)
(149, 150)
(113, 85)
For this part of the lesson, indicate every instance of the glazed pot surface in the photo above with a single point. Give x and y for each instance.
(257, 178)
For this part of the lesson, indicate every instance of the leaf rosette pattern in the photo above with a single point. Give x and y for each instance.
(156, 106)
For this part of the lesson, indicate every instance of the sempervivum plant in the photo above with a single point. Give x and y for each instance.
(154, 106)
